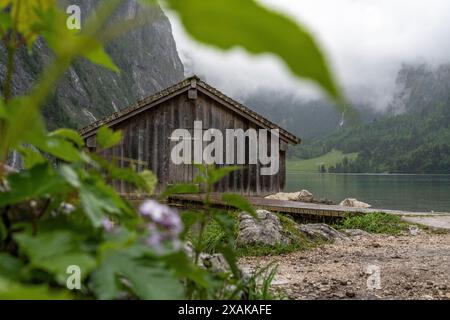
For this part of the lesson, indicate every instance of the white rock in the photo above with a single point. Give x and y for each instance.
(354, 203)
(303, 196)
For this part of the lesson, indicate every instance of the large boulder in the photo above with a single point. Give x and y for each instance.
(354, 203)
(321, 232)
(266, 229)
(303, 196)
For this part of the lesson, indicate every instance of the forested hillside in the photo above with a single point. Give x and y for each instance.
(414, 137)
(307, 118)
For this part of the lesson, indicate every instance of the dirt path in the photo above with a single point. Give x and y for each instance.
(410, 267)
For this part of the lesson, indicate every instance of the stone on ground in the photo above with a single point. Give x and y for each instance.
(321, 232)
(355, 232)
(354, 203)
(302, 196)
(266, 229)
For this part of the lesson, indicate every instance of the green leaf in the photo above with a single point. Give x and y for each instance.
(149, 180)
(107, 138)
(238, 202)
(3, 231)
(217, 174)
(30, 156)
(70, 175)
(3, 112)
(22, 126)
(148, 2)
(11, 290)
(190, 218)
(147, 279)
(184, 268)
(58, 147)
(26, 15)
(69, 134)
(229, 23)
(182, 188)
(5, 21)
(100, 57)
(39, 181)
(230, 255)
(54, 251)
(10, 266)
(96, 204)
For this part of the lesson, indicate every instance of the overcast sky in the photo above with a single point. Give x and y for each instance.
(365, 41)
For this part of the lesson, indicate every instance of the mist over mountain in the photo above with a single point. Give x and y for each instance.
(412, 137)
(305, 117)
(147, 56)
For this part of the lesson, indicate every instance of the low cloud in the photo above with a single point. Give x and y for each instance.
(365, 42)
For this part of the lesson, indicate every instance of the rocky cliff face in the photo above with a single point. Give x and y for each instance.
(147, 58)
(421, 88)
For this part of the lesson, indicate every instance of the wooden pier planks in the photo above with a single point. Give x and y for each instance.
(295, 207)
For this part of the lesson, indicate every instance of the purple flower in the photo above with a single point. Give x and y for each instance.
(152, 209)
(162, 215)
(107, 224)
(154, 240)
(165, 225)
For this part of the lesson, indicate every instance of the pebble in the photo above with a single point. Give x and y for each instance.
(350, 294)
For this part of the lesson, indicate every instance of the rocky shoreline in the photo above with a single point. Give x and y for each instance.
(410, 267)
(352, 264)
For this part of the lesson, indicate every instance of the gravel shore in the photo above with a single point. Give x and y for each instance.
(409, 267)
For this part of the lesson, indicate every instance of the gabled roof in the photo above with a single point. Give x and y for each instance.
(185, 85)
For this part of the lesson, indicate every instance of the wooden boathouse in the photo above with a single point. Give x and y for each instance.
(147, 142)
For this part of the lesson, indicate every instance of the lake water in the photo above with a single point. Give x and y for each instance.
(384, 191)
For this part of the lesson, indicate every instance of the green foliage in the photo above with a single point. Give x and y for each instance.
(54, 251)
(107, 138)
(147, 278)
(39, 181)
(239, 202)
(182, 188)
(53, 217)
(327, 160)
(416, 141)
(374, 223)
(69, 134)
(230, 23)
(11, 290)
(260, 283)
(26, 15)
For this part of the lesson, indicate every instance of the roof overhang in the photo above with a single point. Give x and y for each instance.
(184, 86)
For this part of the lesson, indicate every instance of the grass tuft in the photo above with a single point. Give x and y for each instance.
(374, 223)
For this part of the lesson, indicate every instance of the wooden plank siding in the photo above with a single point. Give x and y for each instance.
(146, 139)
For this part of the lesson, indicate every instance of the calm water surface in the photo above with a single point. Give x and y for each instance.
(386, 191)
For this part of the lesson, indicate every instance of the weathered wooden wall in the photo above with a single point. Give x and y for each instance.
(146, 139)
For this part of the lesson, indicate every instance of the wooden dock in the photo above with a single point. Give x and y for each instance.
(316, 212)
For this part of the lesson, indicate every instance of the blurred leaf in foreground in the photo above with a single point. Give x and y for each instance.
(107, 138)
(245, 23)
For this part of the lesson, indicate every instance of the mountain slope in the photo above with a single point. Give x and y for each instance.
(147, 57)
(414, 141)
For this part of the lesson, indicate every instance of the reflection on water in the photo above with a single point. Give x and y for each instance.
(387, 191)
